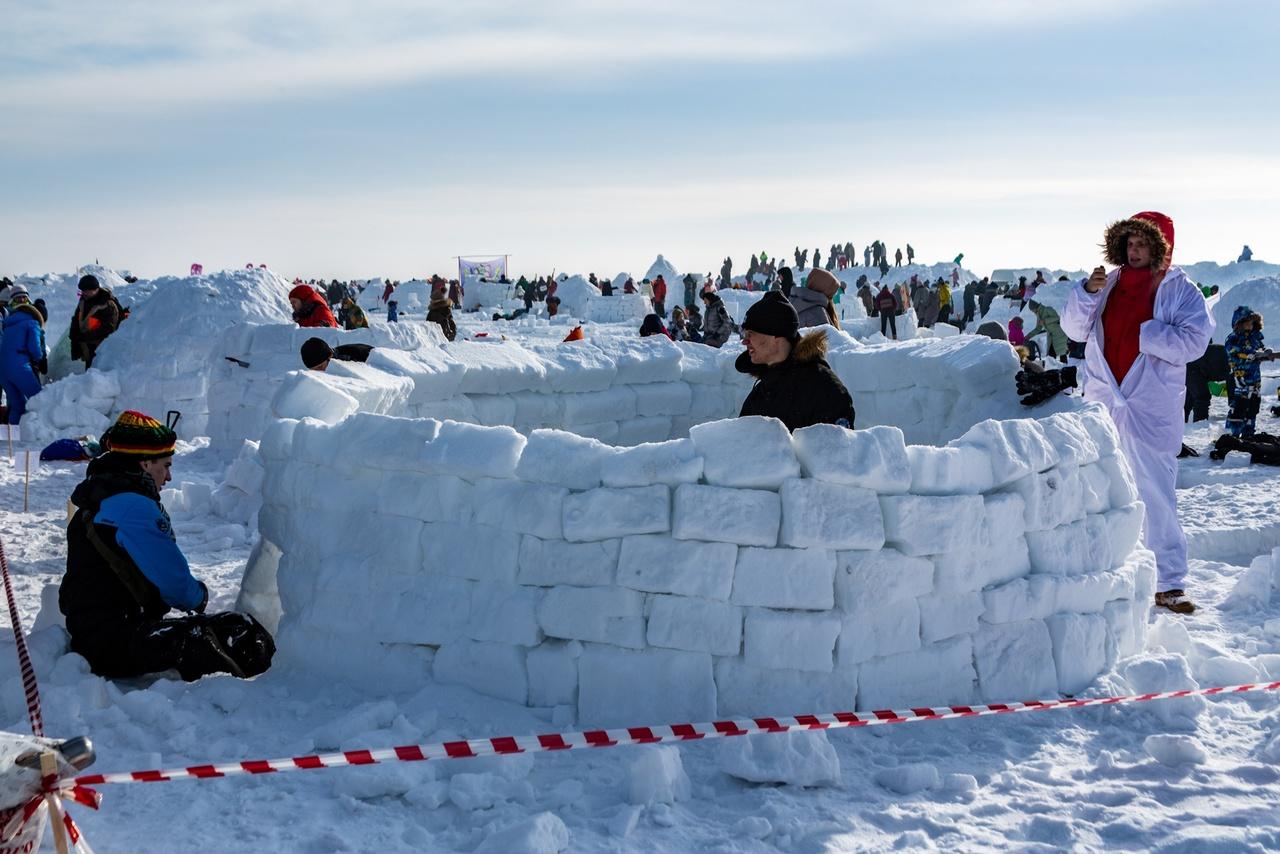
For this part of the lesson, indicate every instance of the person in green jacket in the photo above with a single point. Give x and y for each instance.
(1048, 322)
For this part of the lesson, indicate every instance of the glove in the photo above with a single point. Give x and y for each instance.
(43, 366)
(1037, 388)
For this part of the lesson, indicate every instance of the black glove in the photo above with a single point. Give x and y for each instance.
(43, 366)
(1037, 388)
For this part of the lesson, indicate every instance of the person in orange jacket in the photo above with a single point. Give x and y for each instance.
(309, 309)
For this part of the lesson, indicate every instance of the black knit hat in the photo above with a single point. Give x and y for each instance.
(773, 315)
(89, 282)
(315, 352)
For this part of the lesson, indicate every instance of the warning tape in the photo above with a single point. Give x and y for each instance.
(507, 745)
(29, 686)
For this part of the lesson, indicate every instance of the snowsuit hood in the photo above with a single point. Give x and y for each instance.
(1155, 227)
(1241, 314)
(314, 311)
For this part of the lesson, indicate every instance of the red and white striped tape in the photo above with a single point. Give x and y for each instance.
(29, 686)
(635, 735)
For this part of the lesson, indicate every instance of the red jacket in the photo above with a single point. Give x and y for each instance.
(660, 289)
(314, 311)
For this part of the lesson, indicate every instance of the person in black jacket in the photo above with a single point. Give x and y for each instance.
(125, 572)
(1211, 366)
(794, 383)
(97, 315)
(316, 353)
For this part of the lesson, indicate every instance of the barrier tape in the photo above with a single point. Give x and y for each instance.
(29, 685)
(635, 735)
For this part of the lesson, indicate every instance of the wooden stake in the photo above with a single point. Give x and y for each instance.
(26, 485)
(49, 768)
(9, 429)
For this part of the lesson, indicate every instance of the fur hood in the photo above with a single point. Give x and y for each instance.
(440, 301)
(1115, 247)
(811, 347)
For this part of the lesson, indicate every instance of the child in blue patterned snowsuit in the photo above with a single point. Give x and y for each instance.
(1245, 354)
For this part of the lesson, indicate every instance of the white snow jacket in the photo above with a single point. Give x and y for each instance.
(1147, 405)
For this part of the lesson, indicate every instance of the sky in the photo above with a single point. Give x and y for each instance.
(384, 137)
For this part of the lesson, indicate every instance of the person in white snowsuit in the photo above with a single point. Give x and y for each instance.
(1143, 322)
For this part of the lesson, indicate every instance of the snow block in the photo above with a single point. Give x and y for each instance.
(756, 691)
(672, 398)
(605, 513)
(939, 674)
(505, 613)
(602, 614)
(1051, 498)
(578, 366)
(1123, 489)
(619, 687)
(659, 564)
(795, 758)
(1086, 594)
(547, 563)
(878, 629)
(657, 776)
(785, 578)
(969, 571)
(830, 515)
(748, 517)
(1079, 649)
(753, 452)
(1015, 661)
(958, 470)
(670, 463)
(1124, 528)
(563, 459)
(429, 498)
(786, 641)
(526, 508)
(614, 404)
(553, 673)
(933, 524)
(422, 609)
(1067, 433)
(655, 359)
(869, 580)
(1076, 549)
(1017, 448)
(874, 458)
(470, 451)
(695, 625)
(943, 617)
(493, 669)
(1023, 598)
(1098, 424)
(478, 552)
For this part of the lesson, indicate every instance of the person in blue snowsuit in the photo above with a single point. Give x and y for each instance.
(1245, 355)
(22, 354)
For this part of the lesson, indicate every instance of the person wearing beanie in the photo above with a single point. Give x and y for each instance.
(1142, 323)
(316, 353)
(717, 325)
(309, 308)
(97, 315)
(794, 383)
(22, 352)
(440, 311)
(125, 571)
(652, 325)
(886, 305)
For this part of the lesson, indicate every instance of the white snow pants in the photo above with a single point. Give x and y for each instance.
(1157, 479)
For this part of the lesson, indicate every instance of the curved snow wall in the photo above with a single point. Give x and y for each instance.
(743, 570)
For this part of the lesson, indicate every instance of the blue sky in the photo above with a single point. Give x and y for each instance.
(382, 138)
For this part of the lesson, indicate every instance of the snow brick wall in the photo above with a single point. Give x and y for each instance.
(740, 571)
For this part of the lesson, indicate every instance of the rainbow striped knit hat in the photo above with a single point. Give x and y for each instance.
(139, 435)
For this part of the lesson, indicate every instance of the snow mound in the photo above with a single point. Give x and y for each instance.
(795, 758)
(664, 268)
(1261, 295)
(1175, 750)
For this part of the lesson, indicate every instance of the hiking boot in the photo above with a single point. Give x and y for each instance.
(1176, 601)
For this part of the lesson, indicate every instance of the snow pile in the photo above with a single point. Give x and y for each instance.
(740, 571)
(1261, 295)
(1228, 276)
(664, 268)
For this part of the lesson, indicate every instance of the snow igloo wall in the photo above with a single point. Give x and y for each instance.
(743, 570)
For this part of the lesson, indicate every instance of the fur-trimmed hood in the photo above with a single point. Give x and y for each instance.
(439, 301)
(811, 347)
(1155, 227)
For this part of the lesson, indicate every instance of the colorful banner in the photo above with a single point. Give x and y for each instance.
(482, 268)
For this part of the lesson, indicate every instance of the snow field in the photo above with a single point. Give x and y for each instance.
(733, 572)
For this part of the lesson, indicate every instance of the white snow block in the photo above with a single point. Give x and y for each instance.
(1086, 594)
(785, 578)
(609, 615)
(785, 641)
(673, 462)
(655, 359)
(423, 609)
(605, 513)
(748, 517)
(534, 409)
(756, 691)
(544, 833)
(1124, 489)
(548, 563)
(1022, 598)
(943, 617)
(470, 451)
(908, 779)
(578, 366)
(553, 673)
(874, 458)
(493, 410)
(1122, 633)
(504, 613)
(656, 563)
(1098, 424)
(561, 458)
(605, 431)
(478, 552)
(619, 687)
(614, 404)
(1015, 661)
(933, 524)
(643, 430)
(526, 508)
(1016, 447)
(305, 394)
(496, 367)
(795, 758)
(429, 498)
(695, 625)
(830, 515)
(1095, 487)
(1079, 649)
(657, 776)
(753, 452)
(870, 580)
(672, 398)
(492, 669)
(878, 629)
(939, 674)
(958, 470)
(1076, 549)
(1067, 433)
(1124, 528)
(972, 570)
(1051, 498)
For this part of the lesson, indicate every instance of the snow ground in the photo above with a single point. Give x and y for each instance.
(1069, 779)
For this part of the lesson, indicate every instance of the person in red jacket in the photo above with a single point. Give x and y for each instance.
(309, 310)
(660, 296)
